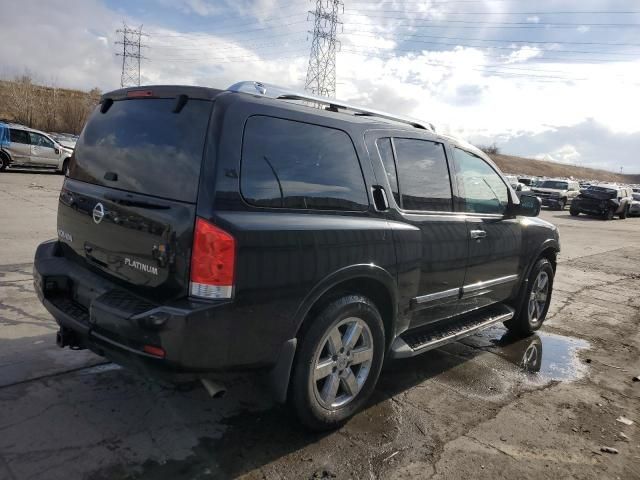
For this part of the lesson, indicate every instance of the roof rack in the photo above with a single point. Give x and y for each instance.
(282, 93)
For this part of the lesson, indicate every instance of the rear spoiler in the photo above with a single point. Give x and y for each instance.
(162, 91)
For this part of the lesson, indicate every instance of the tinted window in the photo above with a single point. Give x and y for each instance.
(297, 165)
(482, 188)
(19, 136)
(553, 184)
(386, 155)
(151, 149)
(40, 140)
(423, 175)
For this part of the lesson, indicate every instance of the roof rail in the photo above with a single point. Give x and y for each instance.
(282, 93)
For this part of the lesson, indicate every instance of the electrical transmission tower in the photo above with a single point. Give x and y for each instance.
(321, 73)
(131, 46)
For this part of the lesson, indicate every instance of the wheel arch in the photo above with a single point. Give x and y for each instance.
(369, 280)
(549, 250)
(7, 156)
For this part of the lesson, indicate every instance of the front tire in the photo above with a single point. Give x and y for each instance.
(534, 300)
(4, 162)
(574, 213)
(65, 168)
(338, 363)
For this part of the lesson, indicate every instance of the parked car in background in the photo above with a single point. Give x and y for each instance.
(556, 193)
(529, 181)
(516, 184)
(25, 147)
(604, 201)
(634, 208)
(66, 140)
(304, 244)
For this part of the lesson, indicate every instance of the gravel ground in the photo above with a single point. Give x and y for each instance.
(467, 410)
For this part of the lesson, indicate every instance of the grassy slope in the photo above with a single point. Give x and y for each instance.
(528, 166)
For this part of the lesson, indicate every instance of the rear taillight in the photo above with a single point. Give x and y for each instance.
(212, 262)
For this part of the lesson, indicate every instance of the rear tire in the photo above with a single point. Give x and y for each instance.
(609, 214)
(4, 162)
(533, 301)
(624, 214)
(332, 377)
(574, 213)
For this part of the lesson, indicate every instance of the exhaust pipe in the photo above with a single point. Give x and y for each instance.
(214, 389)
(60, 340)
(68, 338)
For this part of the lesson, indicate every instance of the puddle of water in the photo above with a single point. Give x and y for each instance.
(546, 355)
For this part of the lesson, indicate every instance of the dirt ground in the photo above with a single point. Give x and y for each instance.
(468, 410)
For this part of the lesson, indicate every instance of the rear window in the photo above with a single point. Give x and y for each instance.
(288, 164)
(150, 149)
(555, 185)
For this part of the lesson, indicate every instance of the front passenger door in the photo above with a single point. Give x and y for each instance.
(43, 151)
(495, 241)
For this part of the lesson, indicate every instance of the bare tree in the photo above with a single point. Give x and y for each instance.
(492, 149)
(22, 99)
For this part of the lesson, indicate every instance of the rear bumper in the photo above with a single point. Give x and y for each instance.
(196, 337)
(550, 201)
(589, 208)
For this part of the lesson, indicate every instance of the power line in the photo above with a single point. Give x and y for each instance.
(409, 38)
(243, 30)
(583, 12)
(537, 42)
(131, 57)
(517, 25)
(490, 70)
(321, 72)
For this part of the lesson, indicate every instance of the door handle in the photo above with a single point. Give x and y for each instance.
(478, 234)
(380, 198)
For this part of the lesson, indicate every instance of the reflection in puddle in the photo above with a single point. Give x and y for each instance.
(549, 356)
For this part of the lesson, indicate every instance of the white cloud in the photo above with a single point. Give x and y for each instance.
(463, 90)
(533, 19)
(203, 8)
(523, 54)
(565, 154)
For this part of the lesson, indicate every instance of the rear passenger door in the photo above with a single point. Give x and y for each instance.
(432, 255)
(495, 241)
(20, 146)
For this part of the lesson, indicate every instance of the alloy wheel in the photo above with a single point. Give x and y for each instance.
(342, 363)
(538, 297)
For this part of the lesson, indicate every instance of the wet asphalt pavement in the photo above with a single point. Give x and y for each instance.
(486, 407)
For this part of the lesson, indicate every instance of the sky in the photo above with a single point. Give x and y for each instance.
(552, 79)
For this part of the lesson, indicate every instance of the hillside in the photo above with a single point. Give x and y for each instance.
(44, 107)
(529, 166)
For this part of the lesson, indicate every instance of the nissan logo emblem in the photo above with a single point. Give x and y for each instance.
(98, 213)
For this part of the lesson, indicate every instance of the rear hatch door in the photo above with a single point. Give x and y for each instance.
(128, 206)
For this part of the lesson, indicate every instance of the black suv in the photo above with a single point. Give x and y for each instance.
(203, 231)
(605, 201)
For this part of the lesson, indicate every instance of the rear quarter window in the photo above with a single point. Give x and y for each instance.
(290, 164)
